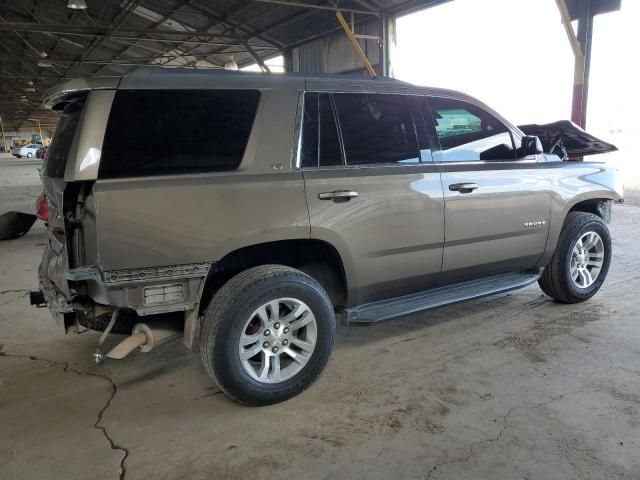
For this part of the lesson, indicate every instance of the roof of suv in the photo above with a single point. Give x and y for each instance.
(188, 78)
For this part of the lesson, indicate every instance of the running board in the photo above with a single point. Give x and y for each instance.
(417, 302)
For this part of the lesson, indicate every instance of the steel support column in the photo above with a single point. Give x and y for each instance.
(585, 35)
(385, 45)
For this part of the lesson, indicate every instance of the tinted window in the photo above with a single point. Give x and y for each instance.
(58, 151)
(468, 133)
(376, 128)
(320, 143)
(162, 132)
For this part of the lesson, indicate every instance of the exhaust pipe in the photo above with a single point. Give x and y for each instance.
(143, 338)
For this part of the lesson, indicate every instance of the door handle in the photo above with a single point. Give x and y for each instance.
(338, 195)
(463, 187)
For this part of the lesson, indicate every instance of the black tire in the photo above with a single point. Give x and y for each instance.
(227, 314)
(556, 279)
(124, 323)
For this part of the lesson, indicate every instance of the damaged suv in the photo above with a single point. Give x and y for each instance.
(247, 212)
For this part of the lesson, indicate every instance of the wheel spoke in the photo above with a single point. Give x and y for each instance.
(246, 354)
(262, 315)
(263, 373)
(299, 358)
(582, 278)
(588, 276)
(295, 313)
(246, 340)
(303, 344)
(275, 375)
(274, 306)
(306, 318)
(574, 272)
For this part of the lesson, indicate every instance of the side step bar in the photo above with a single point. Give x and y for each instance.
(417, 302)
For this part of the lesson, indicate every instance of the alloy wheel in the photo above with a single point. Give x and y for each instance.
(587, 259)
(278, 340)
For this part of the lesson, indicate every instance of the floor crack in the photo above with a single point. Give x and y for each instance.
(505, 420)
(13, 299)
(2, 292)
(474, 445)
(97, 425)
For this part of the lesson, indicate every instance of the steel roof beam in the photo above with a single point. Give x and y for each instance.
(313, 6)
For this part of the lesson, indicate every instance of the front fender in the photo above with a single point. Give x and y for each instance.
(574, 183)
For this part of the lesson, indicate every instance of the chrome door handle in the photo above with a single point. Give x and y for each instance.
(338, 195)
(463, 187)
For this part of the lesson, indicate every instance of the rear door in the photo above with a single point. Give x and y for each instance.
(372, 190)
(497, 206)
(56, 256)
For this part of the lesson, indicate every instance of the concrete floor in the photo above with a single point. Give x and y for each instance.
(510, 387)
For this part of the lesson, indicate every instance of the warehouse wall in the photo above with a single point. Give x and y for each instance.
(335, 53)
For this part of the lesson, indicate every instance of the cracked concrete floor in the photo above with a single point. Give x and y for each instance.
(514, 387)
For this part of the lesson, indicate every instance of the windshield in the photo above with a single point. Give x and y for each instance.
(58, 151)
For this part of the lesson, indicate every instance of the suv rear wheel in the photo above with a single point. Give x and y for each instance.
(267, 334)
(581, 260)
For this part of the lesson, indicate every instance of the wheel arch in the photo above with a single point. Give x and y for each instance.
(597, 203)
(317, 258)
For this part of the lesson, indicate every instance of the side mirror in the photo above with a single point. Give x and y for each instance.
(530, 146)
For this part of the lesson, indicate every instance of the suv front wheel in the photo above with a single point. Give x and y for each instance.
(581, 260)
(267, 334)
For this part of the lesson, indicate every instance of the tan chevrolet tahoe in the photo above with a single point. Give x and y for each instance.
(246, 212)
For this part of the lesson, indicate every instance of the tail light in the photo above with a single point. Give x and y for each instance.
(42, 209)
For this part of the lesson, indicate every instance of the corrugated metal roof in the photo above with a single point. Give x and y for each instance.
(113, 36)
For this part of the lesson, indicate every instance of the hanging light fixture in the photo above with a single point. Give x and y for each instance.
(77, 4)
(44, 63)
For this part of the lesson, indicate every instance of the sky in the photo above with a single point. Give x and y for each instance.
(514, 55)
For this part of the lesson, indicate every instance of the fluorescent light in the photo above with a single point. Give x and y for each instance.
(44, 63)
(77, 4)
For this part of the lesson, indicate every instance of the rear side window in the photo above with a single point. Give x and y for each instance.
(376, 128)
(320, 142)
(58, 151)
(468, 133)
(164, 132)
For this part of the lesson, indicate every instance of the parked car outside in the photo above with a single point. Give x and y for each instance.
(41, 152)
(28, 151)
(247, 212)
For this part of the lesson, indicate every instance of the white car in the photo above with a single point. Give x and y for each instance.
(28, 151)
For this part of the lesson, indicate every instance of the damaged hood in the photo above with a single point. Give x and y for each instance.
(566, 139)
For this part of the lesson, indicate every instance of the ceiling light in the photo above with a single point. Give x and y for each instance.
(44, 63)
(30, 82)
(30, 90)
(77, 4)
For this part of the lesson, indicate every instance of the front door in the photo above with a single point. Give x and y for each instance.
(497, 206)
(373, 192)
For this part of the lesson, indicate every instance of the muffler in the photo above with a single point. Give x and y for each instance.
(144, 338)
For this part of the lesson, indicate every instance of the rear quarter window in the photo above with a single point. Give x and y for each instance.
(58, 151)
(165, 132)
